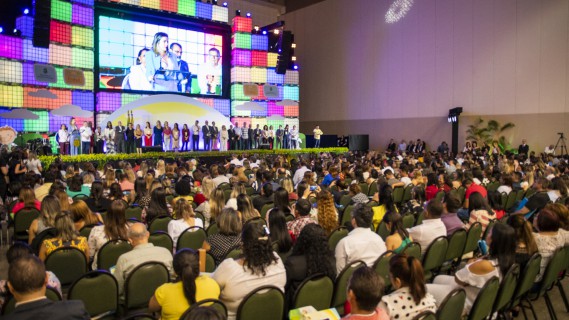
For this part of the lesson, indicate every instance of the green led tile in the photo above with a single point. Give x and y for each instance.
(82, 58)
(128, 98)
(61, 10)
(187, 7)
(41, 124)
(82, 37)
(237, 92)
(241, 41)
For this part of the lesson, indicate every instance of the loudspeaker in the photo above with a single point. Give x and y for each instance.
(41, 23)
(285, 49)
(152, 149)
(358, 142)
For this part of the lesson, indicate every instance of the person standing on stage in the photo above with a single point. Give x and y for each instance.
(224, 137)
(317, 134)
(148, 135)
(196, 136)
(109, 134)
(176, 138)
(286, 138)
(99, 140)
(214, 135)
(119, 138)
(86, 134)
(206, 136)
(138, 139)
(63, 140)
(279, 134)
(257, 136)
(167, 136)
(231, 135)
(293, 137)
(245, 137)
(162, 66)
(158, 134)
(185, 137)
(250, 132)
(74, 137)
(92, 142)
(238, 135)
(271, 135)
(130, 138)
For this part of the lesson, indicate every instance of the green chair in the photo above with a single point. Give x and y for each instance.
(209, 263)
(226, 194)
(289, 217)
(521, 194)
(492, 186)
(266, 208)
(425, 315)
(224, 186)
(134, 213)
(440, 196)
(434, 257)
(488, 228)
(10, 302)
(345, 200)
(525, 283)
(169, 198)
(264, 303)
(159, 223)
(249, 190)
(482, 306)
(472, 238)
(453, 305)
(461, 192)
(40, 237)
(382, 230)
(408, 221)
(234, 254)
(503, 199)
(162, 239)
(364, 187)
(512, 196)
(372, 189)
(213, 303)
(86, 230)
(200, 215)
(346, 215)
(455, 248)
(413, 249)
(142, 282)
(81, 197)
(110, 252)
(420, 218)
(335, 236)
(22, 221)
(342, 283)
(67, 263)
(212, 229)
(556, 265)
(372, 203)
(257, 220)
(304, 295)
(381, 267)
(398, 195)
(192, 238)
(99, 291)
(407, 191)
(506, 291)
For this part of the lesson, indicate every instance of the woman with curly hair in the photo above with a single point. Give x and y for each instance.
(327, 214)
(310, 255)
(259, 266)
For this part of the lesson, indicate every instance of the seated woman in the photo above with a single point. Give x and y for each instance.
(183, 190)
(501, 241)
(49, 210)
(245, 208)
(158, 206)
(562, 213)
(238, 188)
(82, 215)
(115, 193)
(398, 237)
(115, 228)
(548, 238)
(310, 255)
(76, 187)
(186, 218)
(480, 211)
(228, 238)
(173, 299)
(258, 267)
(281, 237)
(385, 201)
(96, 201)
(410, 296)
(26, 199)
(525, 242)
(327, 214)
(66, 237)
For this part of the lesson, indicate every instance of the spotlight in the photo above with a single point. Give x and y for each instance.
(238, 13)
(293, 58)
(26, 11)
(276, 31)
(214, 2)
(17, 32)
(295, 67)
(248, 14)
(225, 4)
(264, 31)
(293, 45)
(1, 29)
(256, 29)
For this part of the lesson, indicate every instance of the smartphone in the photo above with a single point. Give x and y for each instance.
(313, 188)
(483, 247)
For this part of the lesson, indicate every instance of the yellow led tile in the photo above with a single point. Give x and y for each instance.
(82, 36)
(11, 96)
(259, 75)
(272, 59)
(154, 4)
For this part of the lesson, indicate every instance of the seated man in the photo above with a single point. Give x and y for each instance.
(141, 252)
(361, 243)
(431, 228)
(450, 219)
(365, 289)
(539, 199)
(301, 217)
(27, 281)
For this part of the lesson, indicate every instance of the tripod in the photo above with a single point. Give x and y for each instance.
(561, 144)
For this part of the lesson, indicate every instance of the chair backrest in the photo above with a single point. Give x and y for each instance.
(408, 221)
(482, 306)
(507, 288)
(512, 196)
(555, 266)
(86, 230)
(382, 230)
(159, 223)
(10, 303)
(493, 186)
(266, 208)
(452, 305)
(425, 315)
(472, 237)
(335, 237)
(264, 303)
(110, 253)
(67, 263)
(364, 187)
(40, 237)
(398, 195)
(420, 218)
(521, 194)
(407, 192)
(200, 215)
(80, 196)
(212, 229)
(488, 228)
(372, 188)
(213, 303)
(345, 200)
(289, 217)
(257, 220)
(341, 284)
(209, 263)
(527, 278)
(162, 239)
(22, 221)
(227, 194)
(381, 267)
(440, 196)
(233, 254)
(134, 213)
(456, 245)
(98, 290)
(435, 256)
(346, 215)
(142, 282)
(192, 238)
(413, 249)
(304, 295)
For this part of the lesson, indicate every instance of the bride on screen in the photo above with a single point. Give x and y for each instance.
(159, 64)
(136, 79)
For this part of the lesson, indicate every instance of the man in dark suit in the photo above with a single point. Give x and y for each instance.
(184, 86)
(523, 148)
(206, 134)
(214, 135)
(119, 138)
(257, 137)
(27, 281)
(231, 135)
(280, 133)
(250, 132)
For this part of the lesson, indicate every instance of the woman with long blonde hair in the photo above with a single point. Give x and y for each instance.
(185, 218)
(49, 210)
(160, 168)
(245, 208)
(83, 216)
(216, 204)
(110, 178)
(327, 214)
(238, 188)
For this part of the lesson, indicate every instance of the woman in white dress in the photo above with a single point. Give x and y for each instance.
(63, 140)
(109, 135)
(74, 138)
(223, 137)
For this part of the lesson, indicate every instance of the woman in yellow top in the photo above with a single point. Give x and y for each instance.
(66, 237)
(173, 299)
(385, 199)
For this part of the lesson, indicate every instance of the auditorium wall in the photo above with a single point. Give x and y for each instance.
(506, 60)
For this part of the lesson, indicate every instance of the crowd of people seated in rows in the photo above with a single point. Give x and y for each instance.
(302, 201)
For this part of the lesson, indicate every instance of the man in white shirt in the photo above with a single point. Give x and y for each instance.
(361, 243)
(236, 161)
(196, 136)
(431, 228)
(299, 174)
(404, 170)
(238, 134)
(86, 134)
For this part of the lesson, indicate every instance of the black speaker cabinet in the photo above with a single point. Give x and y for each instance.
(41, 24)
(152, 149)
(285, 47)
(358, 142)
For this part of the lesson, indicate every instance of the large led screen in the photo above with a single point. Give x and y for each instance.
(146, 56)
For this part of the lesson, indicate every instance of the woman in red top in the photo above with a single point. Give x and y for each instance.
(148, 135)
(432, 186)
(26, 199)
(185, 137)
